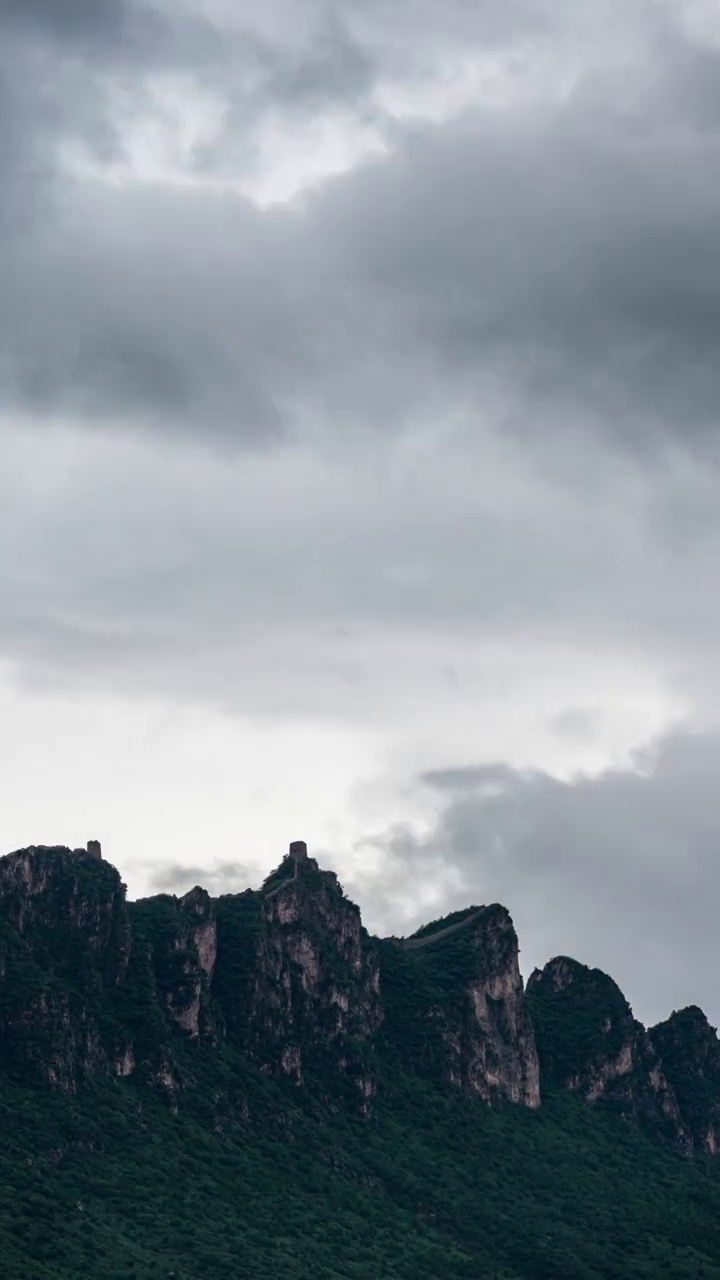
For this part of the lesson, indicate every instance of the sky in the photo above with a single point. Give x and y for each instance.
(360, 457)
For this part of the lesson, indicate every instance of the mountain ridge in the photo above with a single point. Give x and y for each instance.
(485, 1127)
(291, 974)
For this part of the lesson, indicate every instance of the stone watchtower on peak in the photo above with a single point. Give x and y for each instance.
(94, 848)
(298, 851)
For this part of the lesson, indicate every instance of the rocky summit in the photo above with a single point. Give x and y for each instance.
(201, 1087)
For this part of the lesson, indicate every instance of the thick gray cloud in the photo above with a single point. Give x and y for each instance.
(543, 265)
(102, 34)
(67, 19)
(620, 870)
(530, 270)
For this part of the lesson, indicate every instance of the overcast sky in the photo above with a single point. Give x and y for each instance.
(360, 457)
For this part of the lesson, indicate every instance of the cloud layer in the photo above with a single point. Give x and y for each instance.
(620, 870)
(547, 263)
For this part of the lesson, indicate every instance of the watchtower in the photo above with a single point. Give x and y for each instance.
(94, 848)
(298, 850)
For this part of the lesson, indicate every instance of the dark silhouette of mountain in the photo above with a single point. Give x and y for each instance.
(254, 1086)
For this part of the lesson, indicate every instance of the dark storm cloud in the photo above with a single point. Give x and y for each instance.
(67, 19)
(559, 266)
(100, 34)
(541, 268)
(574, 258)
(620, 871)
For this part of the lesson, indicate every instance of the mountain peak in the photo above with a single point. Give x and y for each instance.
(690, 1051)
(272, 1014)
(288, 977)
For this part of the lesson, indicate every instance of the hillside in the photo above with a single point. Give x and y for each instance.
(253, 1086)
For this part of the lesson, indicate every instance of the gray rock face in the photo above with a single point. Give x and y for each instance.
(456, 1007)
(314, 987)
(193, 948)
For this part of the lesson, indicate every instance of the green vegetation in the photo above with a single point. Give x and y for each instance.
(691, 1061)
(281, 875)
(444, 922)
(205, 1163)
(112, 1185)
(423, 993)
(583, 1024)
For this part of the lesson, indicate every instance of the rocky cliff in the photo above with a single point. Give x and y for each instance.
(667, 1081)
(286, 975)
(176, 993)
(690, 1053)
(456, 1007)
(65, 945)
(298, 979)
